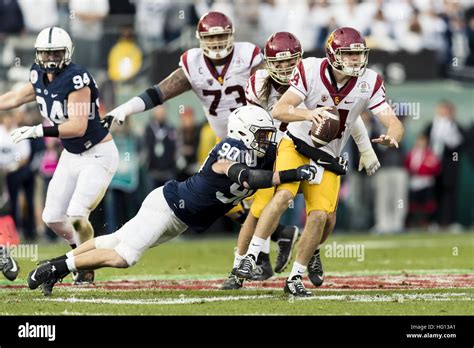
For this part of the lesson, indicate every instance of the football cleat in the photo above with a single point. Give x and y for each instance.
(296, 287)
(233, 282)
(8, 265)
(288, 237)
(315, 270)
(246, 267)
(263, 271)
(47, 272)
(83, 277)
(46, 287)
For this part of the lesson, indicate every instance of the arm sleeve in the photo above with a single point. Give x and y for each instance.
(251, 91)
(255, 178)
(298, 82)
(360, 135)
(377, 102)
(256, 58)
(183, 64)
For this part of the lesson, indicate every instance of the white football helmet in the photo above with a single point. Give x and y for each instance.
(254, 126)
(53, 39)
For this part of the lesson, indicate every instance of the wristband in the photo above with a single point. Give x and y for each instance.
(52, 131)
(290, 175)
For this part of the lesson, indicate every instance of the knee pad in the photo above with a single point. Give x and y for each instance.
(109, 241)
(82, 228)
(62, 229)
(49, 217)
(129, 254)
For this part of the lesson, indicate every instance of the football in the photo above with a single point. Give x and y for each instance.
(327, 130)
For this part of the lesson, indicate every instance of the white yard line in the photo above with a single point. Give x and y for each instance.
(165, 301)
(381, 272)
(413, 243)
(396, 297)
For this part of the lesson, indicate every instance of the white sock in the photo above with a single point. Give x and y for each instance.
(71, 264)
(237, 259)
(266, 246)
(297, 270)
(255, 246)
(69, 254)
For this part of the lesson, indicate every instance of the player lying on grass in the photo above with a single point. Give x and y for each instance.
(217, 72)
(236, 167)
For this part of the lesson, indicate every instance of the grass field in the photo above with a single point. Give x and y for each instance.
(408, 274)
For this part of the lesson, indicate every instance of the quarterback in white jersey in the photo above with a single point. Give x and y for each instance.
(265, 87)
(216, 71)
(341, 80)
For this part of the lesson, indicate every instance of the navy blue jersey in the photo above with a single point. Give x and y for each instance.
(206, 196)
(52, 98)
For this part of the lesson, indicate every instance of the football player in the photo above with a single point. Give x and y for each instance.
(67, 95)
(236, 167)
(282, 53)
(342, 80)
(217, 72)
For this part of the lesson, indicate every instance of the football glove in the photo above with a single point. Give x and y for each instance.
(26, 132)
(107, 121)
(369, 161)
(118, 115)
(306, 172)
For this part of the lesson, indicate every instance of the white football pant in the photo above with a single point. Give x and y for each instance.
(154, 224)
(80, 182)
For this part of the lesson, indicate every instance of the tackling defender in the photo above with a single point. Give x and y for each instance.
(217, 73)
(233, 170)
(265, 87)
(342, 80)
(67, 95)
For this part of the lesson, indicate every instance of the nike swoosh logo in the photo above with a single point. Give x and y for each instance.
(323, 162)
(15, 266)
(348, 102)
(54, 95)
(97, 156)
(33, 275)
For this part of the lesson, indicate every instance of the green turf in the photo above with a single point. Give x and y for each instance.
(210, 258)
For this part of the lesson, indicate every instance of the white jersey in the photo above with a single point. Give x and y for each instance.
(222, 91)
(311, 81)
(253, 91)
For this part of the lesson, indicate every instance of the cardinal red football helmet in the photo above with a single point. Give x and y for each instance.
(215, 33)
(282, 53)
(347, 52)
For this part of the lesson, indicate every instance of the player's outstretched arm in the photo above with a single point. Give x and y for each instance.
(394, 128)
(78, 116)
(368, 158)
(286, 110)
(175, 84)
(258, 178)
(13, 99)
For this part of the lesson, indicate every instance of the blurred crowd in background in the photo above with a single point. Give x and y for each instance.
(416, 187)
